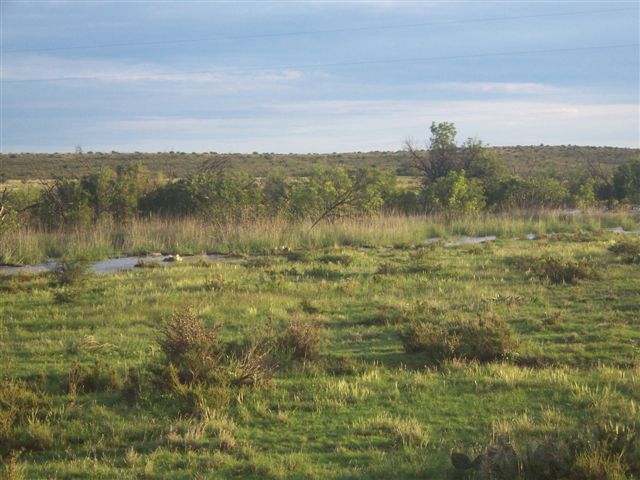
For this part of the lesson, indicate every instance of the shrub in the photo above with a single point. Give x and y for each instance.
(97, 378)
(70, 272)
(483, 339)
(627, 250)
(344, 260)
(20, 407)
(555, 270)
(308, 307)
(194, 350)
(388, 268)
(301, 340)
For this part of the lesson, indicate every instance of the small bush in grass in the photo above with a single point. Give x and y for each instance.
(193, 349)
(97, 378)
(388, 268)
(627, 250)
(556, 270)
(218, 284)
(70, 272)
(301, 340)
(20, 407)
(66, 295)
(483, 339)
(308, 307)
(344, 260)
(196, 359)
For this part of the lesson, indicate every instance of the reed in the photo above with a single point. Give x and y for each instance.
(191, 235)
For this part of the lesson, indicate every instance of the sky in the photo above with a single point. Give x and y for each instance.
(324, 77)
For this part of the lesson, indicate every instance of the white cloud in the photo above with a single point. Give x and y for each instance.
(498, 87)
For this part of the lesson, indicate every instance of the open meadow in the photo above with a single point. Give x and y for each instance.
(356, 351)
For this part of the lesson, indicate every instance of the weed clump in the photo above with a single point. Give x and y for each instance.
(627, 250)
(97, 378)
(301, 340)
(199, 370)
(388, 268)
(558, 271)
(483, 339)
(344, 260)
(22, 413)
(584, 457)
(194, 350)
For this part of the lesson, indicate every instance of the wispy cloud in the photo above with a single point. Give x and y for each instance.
(48, 68)
(499, 87)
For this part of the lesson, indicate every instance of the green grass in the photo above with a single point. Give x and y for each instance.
(365, 409)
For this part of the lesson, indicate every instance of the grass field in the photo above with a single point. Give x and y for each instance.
(81, 396)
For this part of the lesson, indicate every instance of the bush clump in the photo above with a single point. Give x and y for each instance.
(70, 272)
(483, 339)
(627, 250)
(97, 378)
(586, 456)
(556, 270)
(301, 340)
(195, 351)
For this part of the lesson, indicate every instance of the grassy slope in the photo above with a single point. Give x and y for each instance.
(525, 160)
(390, 418)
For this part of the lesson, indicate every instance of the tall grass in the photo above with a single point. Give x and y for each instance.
(195, 235)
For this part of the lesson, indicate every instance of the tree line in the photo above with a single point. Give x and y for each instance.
(452, 177)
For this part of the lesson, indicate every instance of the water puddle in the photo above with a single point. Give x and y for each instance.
(112, 265)
(465, 240)
(622, 230)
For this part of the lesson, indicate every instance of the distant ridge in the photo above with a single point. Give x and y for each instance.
(559, 161)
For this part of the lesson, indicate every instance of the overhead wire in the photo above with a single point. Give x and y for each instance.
(314, 32)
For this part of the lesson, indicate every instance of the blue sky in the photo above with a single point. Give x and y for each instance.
(315, 77)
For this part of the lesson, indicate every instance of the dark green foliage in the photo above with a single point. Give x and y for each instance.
(627, 250)
(517, 192)
(626, 182)
(483, 339)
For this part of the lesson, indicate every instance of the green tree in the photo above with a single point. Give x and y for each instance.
(454, 193)
(626, 182)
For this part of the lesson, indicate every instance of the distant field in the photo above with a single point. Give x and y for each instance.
(527, 161)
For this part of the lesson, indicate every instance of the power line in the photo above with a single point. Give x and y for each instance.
(313, 32)
(351, 63)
